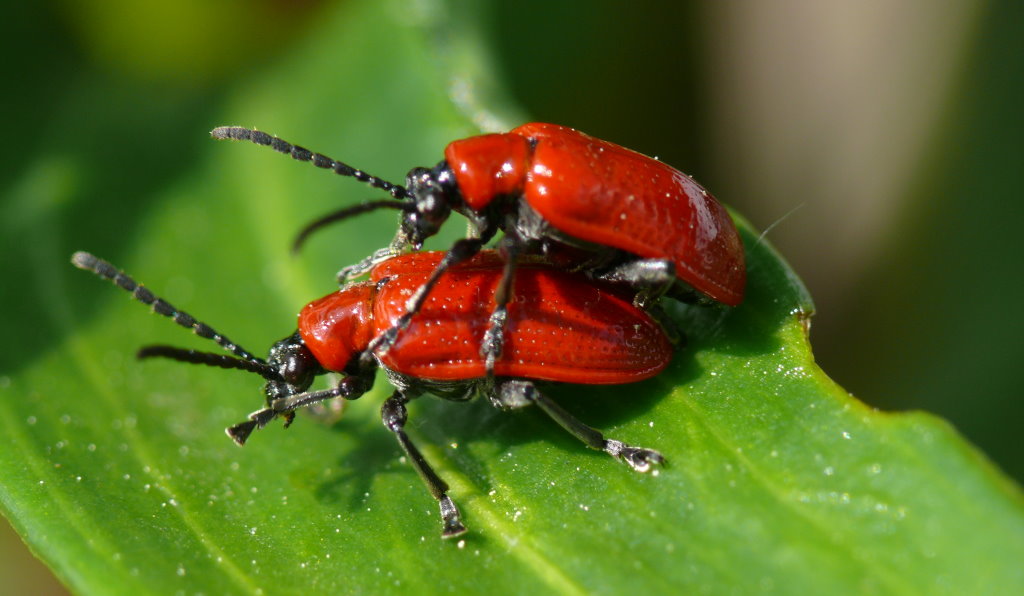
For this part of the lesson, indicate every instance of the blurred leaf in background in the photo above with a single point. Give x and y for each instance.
(895, 127)
(98, 99)
(187, 43)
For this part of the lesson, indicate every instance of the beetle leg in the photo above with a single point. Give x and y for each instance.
(350, 387)
(357, 269)
(394, 415)
(672, 331)
(494, 337)
(654, 277)
(518, 393)
(462, 250)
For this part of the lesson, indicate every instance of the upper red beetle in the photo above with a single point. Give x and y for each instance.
(586, 203)
(561, 327)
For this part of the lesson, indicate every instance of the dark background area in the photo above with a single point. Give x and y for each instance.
(883, 140)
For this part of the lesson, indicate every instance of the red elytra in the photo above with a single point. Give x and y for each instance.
(607, 195)
(627, 217)
(559, 328)
(583, 203)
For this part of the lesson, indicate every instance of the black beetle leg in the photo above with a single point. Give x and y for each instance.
(517, 393)
(394, 416)
(494, 337)
(654, 277)
(462, 250)
(350, 387)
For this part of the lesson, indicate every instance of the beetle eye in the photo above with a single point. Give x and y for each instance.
(434, 208)
(294, 362)
(296, 370)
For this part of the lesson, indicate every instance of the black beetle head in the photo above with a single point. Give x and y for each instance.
(296, 366)
(434, 195)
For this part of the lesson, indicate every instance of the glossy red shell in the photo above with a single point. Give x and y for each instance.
(609, 195)
(488, 166)
(339, 325)
(561, 327)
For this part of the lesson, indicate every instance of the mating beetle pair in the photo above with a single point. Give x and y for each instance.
(582, 202)
(476, 334)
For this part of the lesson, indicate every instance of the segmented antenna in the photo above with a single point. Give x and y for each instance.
(89, 262)
(209, 359)
(346, 213)
(239, 133)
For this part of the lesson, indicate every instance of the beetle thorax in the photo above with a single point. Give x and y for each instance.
(339, 327)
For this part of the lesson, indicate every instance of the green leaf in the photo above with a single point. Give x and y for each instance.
(118, 475)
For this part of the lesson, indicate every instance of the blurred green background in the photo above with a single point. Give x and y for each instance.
(880, 143)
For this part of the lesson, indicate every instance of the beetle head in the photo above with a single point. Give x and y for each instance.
(434, 195)
(289, 369)
(294, 364)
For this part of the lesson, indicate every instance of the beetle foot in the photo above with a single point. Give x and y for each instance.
(450, 517)
(638, 458)
(356, 269)
(494, 338)
(240, 432)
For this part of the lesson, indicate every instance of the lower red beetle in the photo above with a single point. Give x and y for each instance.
(585, 203)
(561, 327)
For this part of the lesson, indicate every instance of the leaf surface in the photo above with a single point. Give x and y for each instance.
(119, 476)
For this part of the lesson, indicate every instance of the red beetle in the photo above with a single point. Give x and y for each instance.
(561, 327)
(590, 204)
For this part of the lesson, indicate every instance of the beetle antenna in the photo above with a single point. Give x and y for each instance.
(777, 222)
(89, 262)
(346, 213)
(208, 359)
(239, 133)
